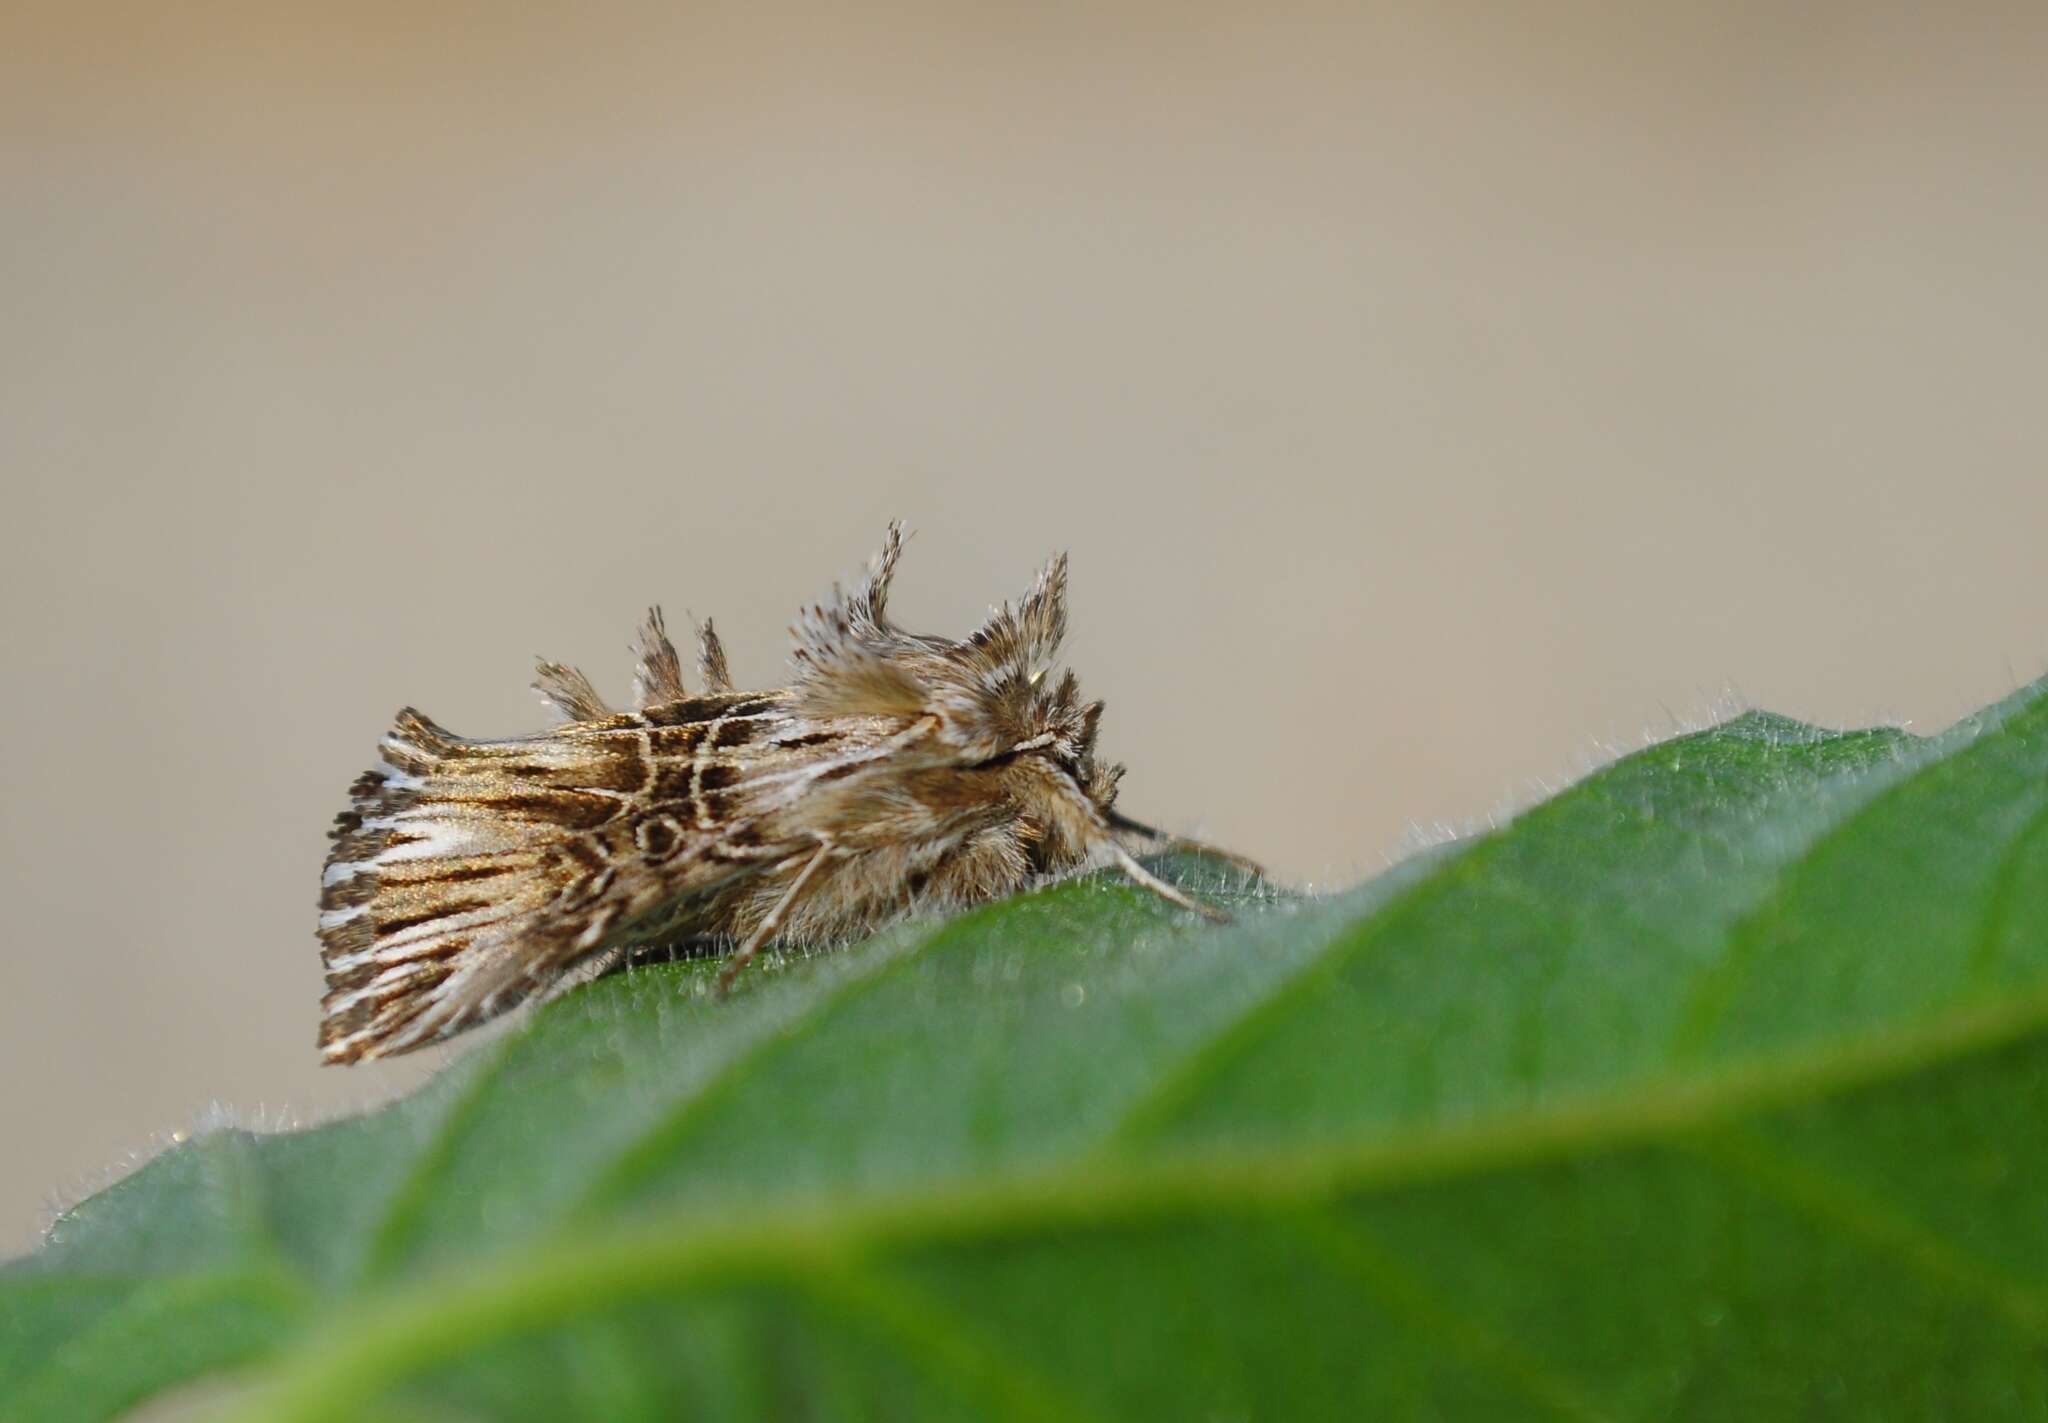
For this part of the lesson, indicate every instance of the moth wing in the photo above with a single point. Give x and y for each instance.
(468, 876)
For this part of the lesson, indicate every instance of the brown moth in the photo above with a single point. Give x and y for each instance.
(899, 773)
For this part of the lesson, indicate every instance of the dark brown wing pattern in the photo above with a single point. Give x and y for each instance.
(468, 875)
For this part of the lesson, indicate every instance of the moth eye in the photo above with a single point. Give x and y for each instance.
(1037, 677)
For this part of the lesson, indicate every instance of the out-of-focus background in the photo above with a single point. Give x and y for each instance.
(1430, 396)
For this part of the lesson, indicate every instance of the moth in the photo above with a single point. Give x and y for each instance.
(897, 774)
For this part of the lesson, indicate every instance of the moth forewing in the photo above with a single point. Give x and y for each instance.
(897, 773)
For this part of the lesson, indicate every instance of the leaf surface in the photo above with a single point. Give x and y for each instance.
(1711, 1085)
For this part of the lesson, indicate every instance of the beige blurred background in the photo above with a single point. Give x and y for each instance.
(1430, 397)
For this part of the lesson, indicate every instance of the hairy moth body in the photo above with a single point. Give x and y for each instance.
(897, 773)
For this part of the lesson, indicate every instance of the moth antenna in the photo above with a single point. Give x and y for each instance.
(711, 669)
(569, 692)
(1169, 840)
(1141, 876)
(1104, 837)
(658, 675)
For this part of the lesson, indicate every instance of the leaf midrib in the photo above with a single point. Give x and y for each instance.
(469, 1305)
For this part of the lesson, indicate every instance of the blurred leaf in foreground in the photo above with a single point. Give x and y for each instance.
(1712, 1087)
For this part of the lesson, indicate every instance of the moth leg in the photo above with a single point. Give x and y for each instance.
(772, 920)
(1141, 876)
(1119, 821)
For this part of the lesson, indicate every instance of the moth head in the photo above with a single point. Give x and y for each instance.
(996, 692)
(996, 701)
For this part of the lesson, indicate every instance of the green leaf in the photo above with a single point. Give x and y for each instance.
(1712, 1087)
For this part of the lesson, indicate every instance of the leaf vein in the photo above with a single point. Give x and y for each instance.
(1877, 1225)
(940, 1345)
(1369, 1264)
